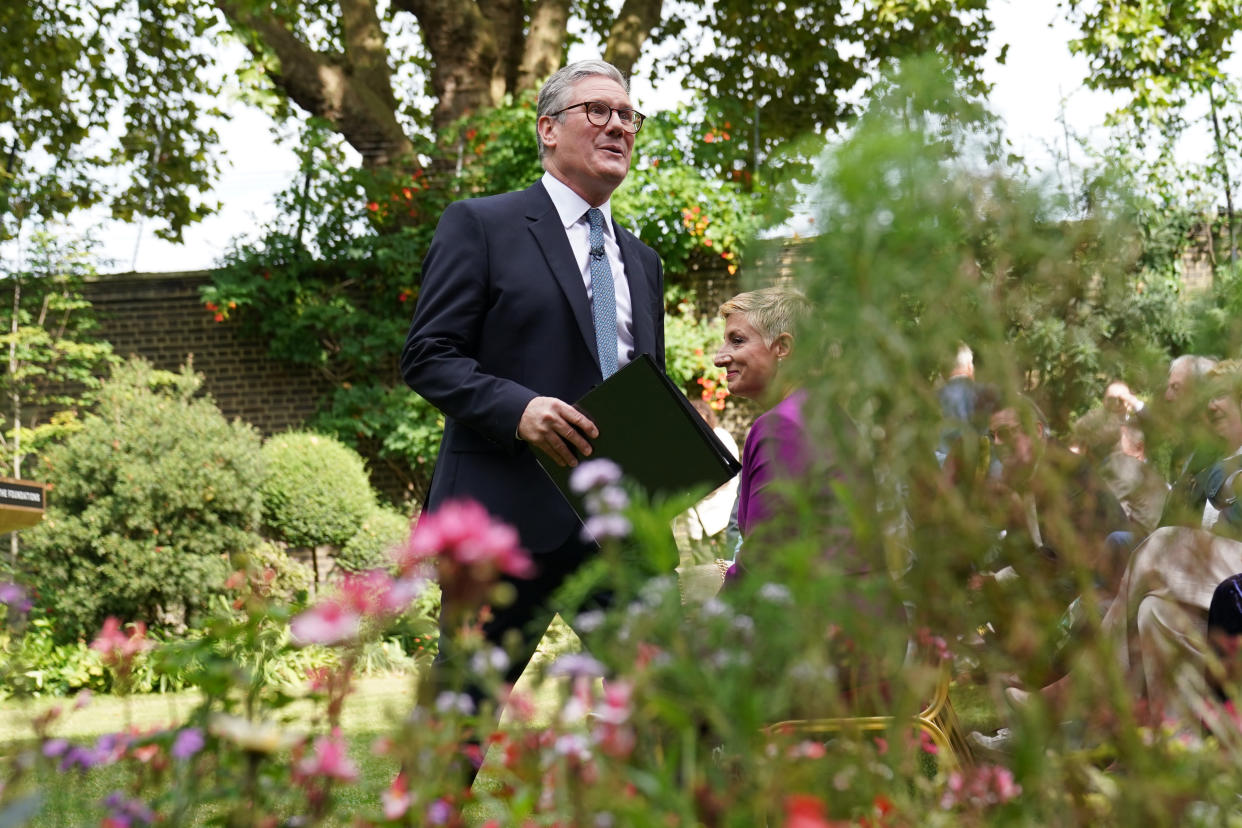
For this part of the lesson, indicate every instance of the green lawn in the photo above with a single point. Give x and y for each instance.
(371, 711)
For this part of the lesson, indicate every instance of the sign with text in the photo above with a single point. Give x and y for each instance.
(21, 503)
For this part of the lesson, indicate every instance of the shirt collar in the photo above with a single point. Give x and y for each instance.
(570, 206)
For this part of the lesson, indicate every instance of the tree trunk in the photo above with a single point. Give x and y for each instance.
(462, 42)
(1224, 174)
(545, 43)
(630, 31)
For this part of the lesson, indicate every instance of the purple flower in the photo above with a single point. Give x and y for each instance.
(128, 811)
(188, 742)
(577, 665)
(439, 812)
(605, 527)
(12, 595)
(594, 474)
(79, 758)
(55, 747)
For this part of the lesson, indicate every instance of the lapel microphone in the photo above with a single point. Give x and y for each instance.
(597, 252)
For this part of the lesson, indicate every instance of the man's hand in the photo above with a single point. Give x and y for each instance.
(552, 425)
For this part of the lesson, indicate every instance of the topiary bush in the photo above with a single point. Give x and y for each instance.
(371, 545)
(315, 489)
(149, 499)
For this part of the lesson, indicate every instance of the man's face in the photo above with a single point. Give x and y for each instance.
(591, 160)
(1014, 447)
(1225, 418)
(1179, 379)
(1115, 397)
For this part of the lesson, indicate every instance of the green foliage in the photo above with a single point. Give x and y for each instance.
(149, 499)
(690, 344)
(332, 286)
(315, 490)
(73, 110)
(52, 361)
(372, 545)
(755, 82)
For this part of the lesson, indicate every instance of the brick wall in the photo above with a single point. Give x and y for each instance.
(160, 317)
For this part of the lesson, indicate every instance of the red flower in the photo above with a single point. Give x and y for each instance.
(805, 811)
(372, 206)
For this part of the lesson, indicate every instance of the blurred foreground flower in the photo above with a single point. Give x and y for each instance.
(979, 787)
(369, 595)
(259, 737)
(14, 597)
(469, 550)
(597, 481)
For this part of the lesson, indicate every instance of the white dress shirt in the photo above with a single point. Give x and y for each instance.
(572, 209)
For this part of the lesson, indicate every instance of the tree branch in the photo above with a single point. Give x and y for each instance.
(323, 87)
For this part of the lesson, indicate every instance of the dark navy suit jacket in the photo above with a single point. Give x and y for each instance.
(503, 317)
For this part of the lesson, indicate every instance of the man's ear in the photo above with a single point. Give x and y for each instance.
(782, 346)
(547, 130)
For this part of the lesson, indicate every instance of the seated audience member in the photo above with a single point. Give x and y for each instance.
(1158, 621)
(1205, 498)
(1111, 439)
(778, 457)
(1052, 507)
(1179, 448)
(758, 338)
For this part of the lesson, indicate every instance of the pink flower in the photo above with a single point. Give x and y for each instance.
(118, 649)
(329, 760)
(469, 549)
(397, 799)
(327, 623)
(980, 786)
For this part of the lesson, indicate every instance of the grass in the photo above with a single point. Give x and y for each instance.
(372, 710)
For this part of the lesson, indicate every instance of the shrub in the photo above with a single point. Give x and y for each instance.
(370, 547)
(315, 489)
(148, 501)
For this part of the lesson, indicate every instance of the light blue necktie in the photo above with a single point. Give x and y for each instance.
(604, 298)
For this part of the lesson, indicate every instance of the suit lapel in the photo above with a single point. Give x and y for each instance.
(545, 225)
(640, 291)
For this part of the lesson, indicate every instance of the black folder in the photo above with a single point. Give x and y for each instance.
(649, 429)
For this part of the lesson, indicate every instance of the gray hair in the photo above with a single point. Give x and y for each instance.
(1199, 366)
(772, 311)
(554, 95)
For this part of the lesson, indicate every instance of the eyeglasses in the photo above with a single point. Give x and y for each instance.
(600, 113)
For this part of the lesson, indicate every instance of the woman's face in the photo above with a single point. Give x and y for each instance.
(749, 364)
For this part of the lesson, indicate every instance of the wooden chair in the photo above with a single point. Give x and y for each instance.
(937, 719)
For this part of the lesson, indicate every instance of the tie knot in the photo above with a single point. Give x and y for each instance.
(595, 217)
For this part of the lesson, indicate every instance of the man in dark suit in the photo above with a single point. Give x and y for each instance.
(528, 300)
